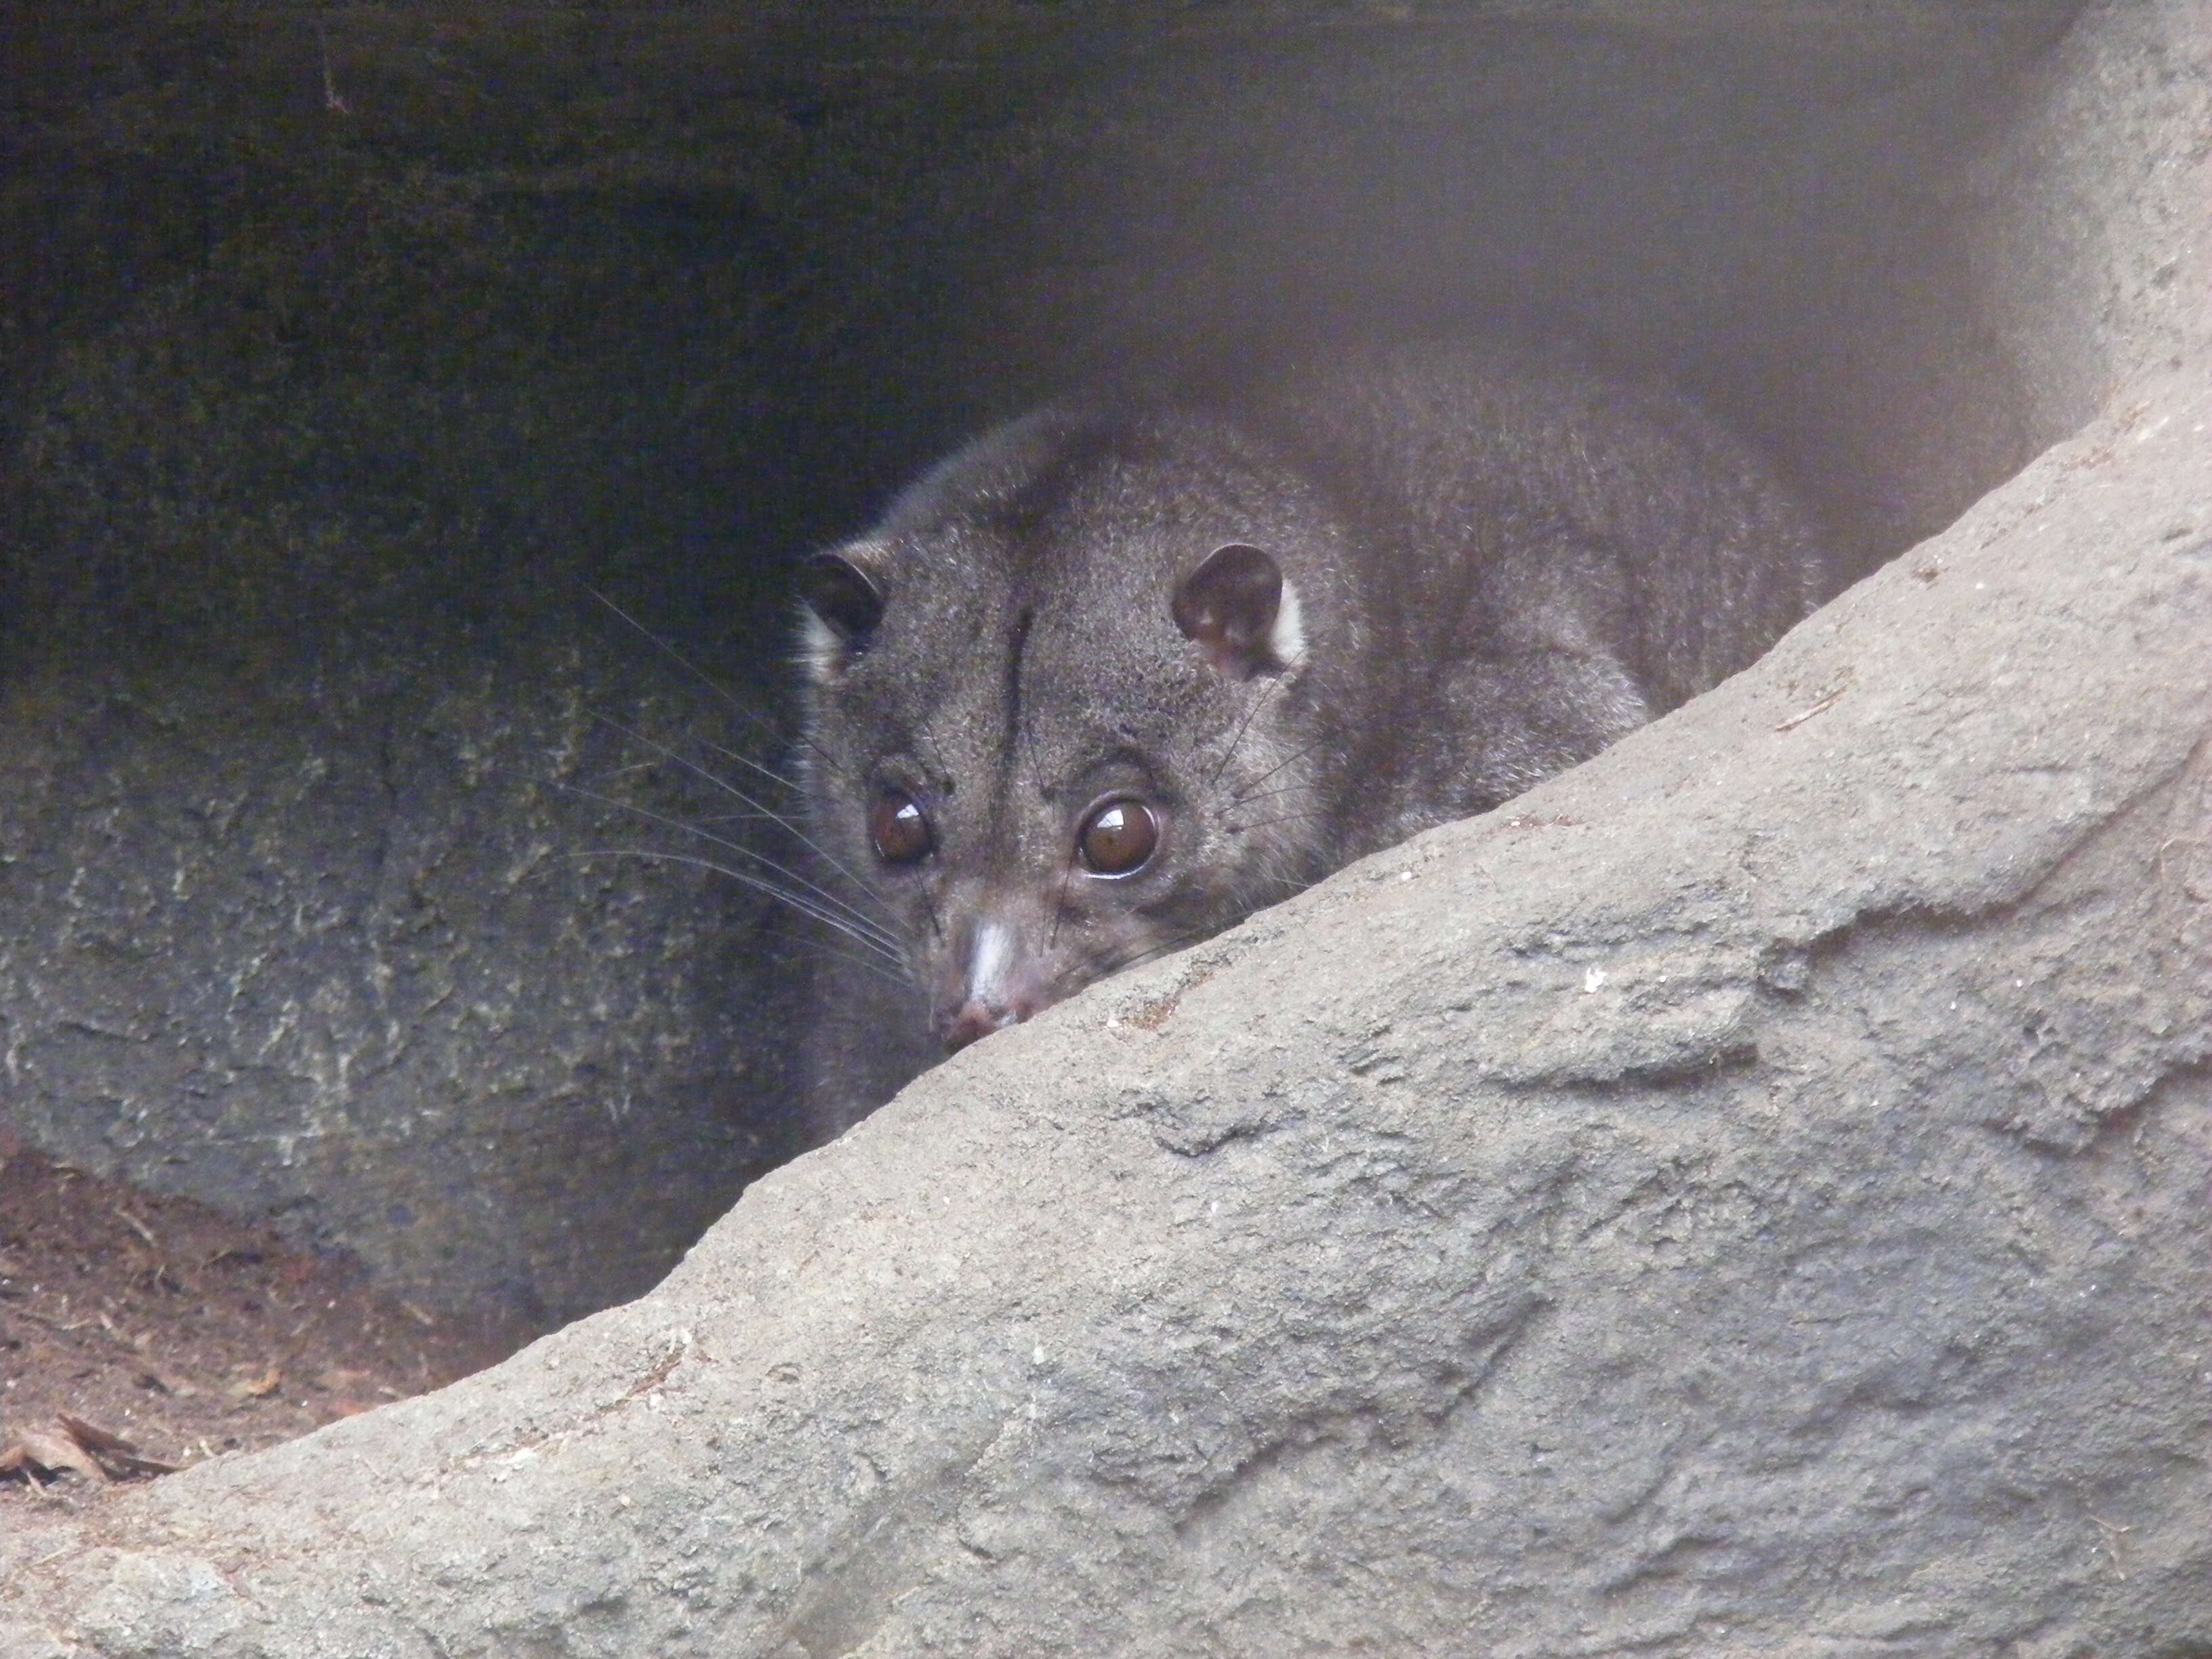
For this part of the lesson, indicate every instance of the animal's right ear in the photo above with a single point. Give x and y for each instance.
(1239, 610)
(844, 607)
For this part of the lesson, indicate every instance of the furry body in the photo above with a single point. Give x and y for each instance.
(1272, 631)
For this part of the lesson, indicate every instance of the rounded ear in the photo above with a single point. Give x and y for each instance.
(1232, 607)
(844, 608)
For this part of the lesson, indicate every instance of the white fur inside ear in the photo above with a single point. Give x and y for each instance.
(819, 648)
(1286, 636)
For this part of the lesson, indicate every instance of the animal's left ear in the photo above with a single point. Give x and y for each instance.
(844, 606)
(1238, 608)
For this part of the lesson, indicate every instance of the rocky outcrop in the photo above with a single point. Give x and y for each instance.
(1750, 1195)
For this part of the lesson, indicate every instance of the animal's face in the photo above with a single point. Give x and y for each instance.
(1057, 715)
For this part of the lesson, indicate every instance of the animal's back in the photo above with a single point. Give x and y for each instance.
(1719, 557)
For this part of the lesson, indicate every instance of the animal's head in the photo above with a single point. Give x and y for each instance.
(1061, 711)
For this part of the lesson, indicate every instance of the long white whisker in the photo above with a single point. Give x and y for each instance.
(748, 762)
(759, 884)
(1276, 767)
(1245, 725)
(1236, 801)
(729, 788)
(715, 687)
(721, 690)
(1287, 818)
(826, 949)
(861, 921)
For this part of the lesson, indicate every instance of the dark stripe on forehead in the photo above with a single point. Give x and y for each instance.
(1014, 676)
(1009, 743)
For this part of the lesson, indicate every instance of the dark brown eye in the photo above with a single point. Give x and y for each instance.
(900, 828)
(1117, 838)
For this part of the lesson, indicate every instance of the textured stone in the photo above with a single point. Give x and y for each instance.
(1748, 1196)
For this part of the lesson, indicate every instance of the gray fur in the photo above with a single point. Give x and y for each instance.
(1502, 559)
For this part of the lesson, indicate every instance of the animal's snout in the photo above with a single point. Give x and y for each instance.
(974, 1019)
(1001, 988)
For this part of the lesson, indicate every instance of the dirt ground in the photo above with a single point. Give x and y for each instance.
(141, 1335)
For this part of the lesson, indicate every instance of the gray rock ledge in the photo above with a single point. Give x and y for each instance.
(1749, 1196)
(1752, 1195)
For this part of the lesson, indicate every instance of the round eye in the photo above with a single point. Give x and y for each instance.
(1117, 838)
(900, 828)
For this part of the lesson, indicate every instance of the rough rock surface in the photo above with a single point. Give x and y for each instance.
(1751, 1195)
(1686, 1234)
(308, 935)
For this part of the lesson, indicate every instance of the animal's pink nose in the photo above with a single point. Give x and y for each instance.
(975, 1020)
